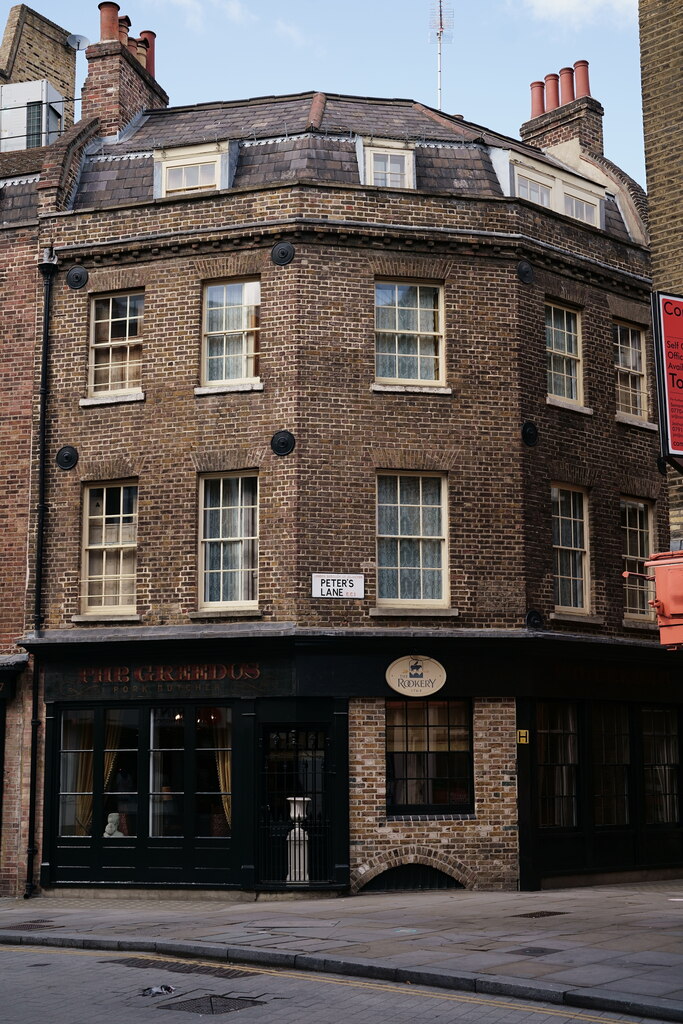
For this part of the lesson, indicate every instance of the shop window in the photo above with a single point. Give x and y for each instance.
(557, 744)
(110, 548)
(629, 369)
(76, 773)
(116, 344)
(611, 764)
(408, 333)
(570, 548)
(661, 765)
(429, 756)
(636, 530)
(229, 541)
(114, 784)
(563, 351)
(411, 538)
(231, 332)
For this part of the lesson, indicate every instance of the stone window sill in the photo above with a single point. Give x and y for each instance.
(227, 613)
(224, 389)
(414, 611)
(103, 617)
(564, 403)
(130, 396)
(582, 620)
(650, 625)
(412, 389)
(633, 421)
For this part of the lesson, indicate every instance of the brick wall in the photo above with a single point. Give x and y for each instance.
(117, 87)
(580, 119)
(481, 851)
(34, 48)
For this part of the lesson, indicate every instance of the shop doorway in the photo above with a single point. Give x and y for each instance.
(294, 826)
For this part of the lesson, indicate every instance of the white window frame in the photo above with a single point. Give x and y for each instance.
(525, 183)
(132, 382)
(209, 154)
(439, 335)
(251, 602)
(577, 207)
(561, 187)
(571, 360)
(641, 589)
(389, 149)
(637, 384)
(250, 334)
(574, 550)
(115, 541)
(420, 538)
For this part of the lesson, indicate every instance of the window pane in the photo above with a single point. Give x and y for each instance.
(404, 314)
(557, 740)
(230, 540)
(424, 770)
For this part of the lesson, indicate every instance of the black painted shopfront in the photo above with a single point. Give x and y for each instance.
(200, 762)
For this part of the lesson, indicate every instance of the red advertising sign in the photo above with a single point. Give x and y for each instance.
(669, 329)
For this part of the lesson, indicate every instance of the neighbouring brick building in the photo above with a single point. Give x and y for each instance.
(348, 439)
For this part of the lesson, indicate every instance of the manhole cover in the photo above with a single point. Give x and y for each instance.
(534, 951)
(213, 1005)
(178, 967)
(543, 913)
(29, 926)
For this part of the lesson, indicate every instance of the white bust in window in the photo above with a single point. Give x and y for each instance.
(111, 829)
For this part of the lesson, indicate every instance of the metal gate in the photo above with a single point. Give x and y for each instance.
(294, 829)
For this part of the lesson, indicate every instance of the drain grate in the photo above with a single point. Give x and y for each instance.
(534, 951)
(178, 967)
(543, 913)
(213, 1005)
(31, 926)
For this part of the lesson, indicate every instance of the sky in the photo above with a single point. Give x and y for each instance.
(211, 50)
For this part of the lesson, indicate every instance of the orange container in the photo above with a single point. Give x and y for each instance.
(668, 602)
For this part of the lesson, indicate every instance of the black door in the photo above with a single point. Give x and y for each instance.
(294, 827)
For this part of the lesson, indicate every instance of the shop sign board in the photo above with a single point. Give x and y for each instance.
(668, 322)
(416, 676)
(341, 584)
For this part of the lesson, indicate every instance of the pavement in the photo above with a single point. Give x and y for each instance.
(615, 948)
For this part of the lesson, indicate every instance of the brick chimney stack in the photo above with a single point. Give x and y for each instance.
(565, 112)
(120, 80)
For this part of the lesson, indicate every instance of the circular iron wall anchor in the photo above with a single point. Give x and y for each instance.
(77, 277)
(282, 442)
(282, 253)
(67, 457)
(534, 619)
(525, 272)
(530, 433)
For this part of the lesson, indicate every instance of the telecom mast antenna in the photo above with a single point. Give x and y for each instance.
(441, 32)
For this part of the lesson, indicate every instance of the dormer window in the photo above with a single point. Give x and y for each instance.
(390, 166)
(192, 169)
(532, 190)
(580, 209)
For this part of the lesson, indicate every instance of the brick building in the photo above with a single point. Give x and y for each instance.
(348, 439)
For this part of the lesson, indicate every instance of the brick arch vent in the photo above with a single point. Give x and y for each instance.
(411, 878)
(419, 869)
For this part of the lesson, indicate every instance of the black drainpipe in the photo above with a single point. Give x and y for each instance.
(48, 269)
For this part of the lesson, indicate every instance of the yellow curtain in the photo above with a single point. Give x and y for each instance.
(111, 742)
(83, 822)
(221, 738)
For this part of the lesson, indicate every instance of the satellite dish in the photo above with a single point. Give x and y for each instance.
(77, 42)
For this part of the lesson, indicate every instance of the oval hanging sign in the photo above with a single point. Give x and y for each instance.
(416, 676)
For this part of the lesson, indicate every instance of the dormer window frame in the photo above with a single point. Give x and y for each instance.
(374, 150)
(563, 186)
(217, 154)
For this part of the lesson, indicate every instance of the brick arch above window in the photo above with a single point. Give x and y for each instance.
(573, 473)
(115, 279)
(118, 467)
(407, 458)
(222, 461)
(642, 486)
(238, 264)
(410, 267)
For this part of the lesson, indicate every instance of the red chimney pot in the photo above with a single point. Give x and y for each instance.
(109, 21)
(566, 85)
(150, 37)
(124, 27)
(552, 92)
(581, 76)
(537, 99)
